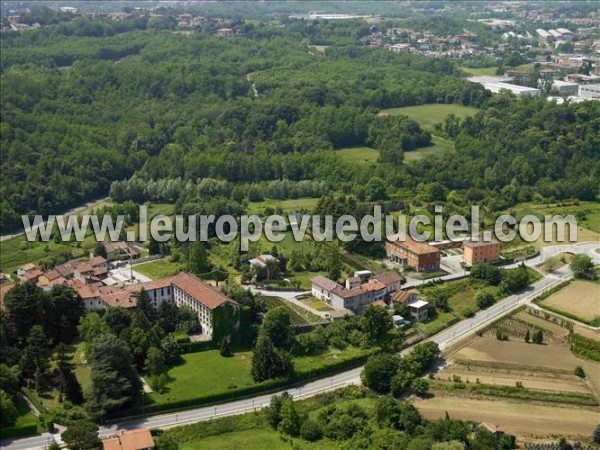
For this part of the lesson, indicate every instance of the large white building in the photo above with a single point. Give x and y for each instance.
(590, 91)
(182, 289)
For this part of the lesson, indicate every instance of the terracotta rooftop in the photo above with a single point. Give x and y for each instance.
(97, 261)
(325, 283)
(373, 286)
(209, 296)
(348, 293)
(139, 439)
(52, 275)
(3, 290)
(33, 274)
(388, 278)
(402, 296)
(412, 245)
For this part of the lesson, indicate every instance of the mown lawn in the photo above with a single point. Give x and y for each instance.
(429, 115)
(24, 426)
(206, 373)
(158, 269)
(317, 304)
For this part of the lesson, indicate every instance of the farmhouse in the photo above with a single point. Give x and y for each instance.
(118, 249)
(475, 252)
(408, 252)
(358, 292)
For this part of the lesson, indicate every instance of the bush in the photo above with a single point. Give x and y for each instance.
(311, 431)
(579, 372)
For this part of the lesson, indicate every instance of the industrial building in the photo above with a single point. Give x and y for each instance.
(565, 87)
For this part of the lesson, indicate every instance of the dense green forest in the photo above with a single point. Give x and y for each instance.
(88, 102)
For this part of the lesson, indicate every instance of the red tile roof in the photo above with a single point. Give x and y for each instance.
(139, 439)
(209, 296)
(388, 278)
(417, 247)
(3, 290)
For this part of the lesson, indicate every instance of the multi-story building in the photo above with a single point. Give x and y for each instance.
(589, 91)
(408, 252)
(182, 289)
(357, 292)
(475, 252)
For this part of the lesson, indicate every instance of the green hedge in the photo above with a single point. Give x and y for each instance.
(22, 431)
(263, 388)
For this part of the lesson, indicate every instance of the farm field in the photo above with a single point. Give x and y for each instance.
(524, 388)
(524, 419)
(428, 115)
(579, 299)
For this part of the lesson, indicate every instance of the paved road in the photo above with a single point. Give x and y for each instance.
(445, 338)
(68, 213)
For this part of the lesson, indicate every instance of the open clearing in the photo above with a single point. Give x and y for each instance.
(520, 418)
(580, 298)
(429, 115)
(358, 155)
(439, 147)
(482, 376)
(158, 269)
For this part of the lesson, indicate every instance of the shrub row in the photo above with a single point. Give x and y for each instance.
(572, 398)
(587, 348)
(16, 432)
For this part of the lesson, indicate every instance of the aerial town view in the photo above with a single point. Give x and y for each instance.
(299, 225)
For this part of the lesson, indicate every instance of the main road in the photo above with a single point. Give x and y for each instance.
(444, 339)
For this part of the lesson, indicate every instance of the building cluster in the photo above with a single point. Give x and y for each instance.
(359, 291)
(98, 290)
(426, 256)
(401, 40)
(364, 290)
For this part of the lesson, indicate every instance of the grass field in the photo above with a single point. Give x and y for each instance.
(358, 155)
(206, 373)
(286, 206)
(462, 300)
(257, 439)
(297, 314)
(317, 304)
(26, 424)
(429, 115)
(439, 147)
(580, 299)
(479, 71)
(158, 269)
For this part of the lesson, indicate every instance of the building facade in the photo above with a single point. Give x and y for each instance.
(476, 252)
(408, 252)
